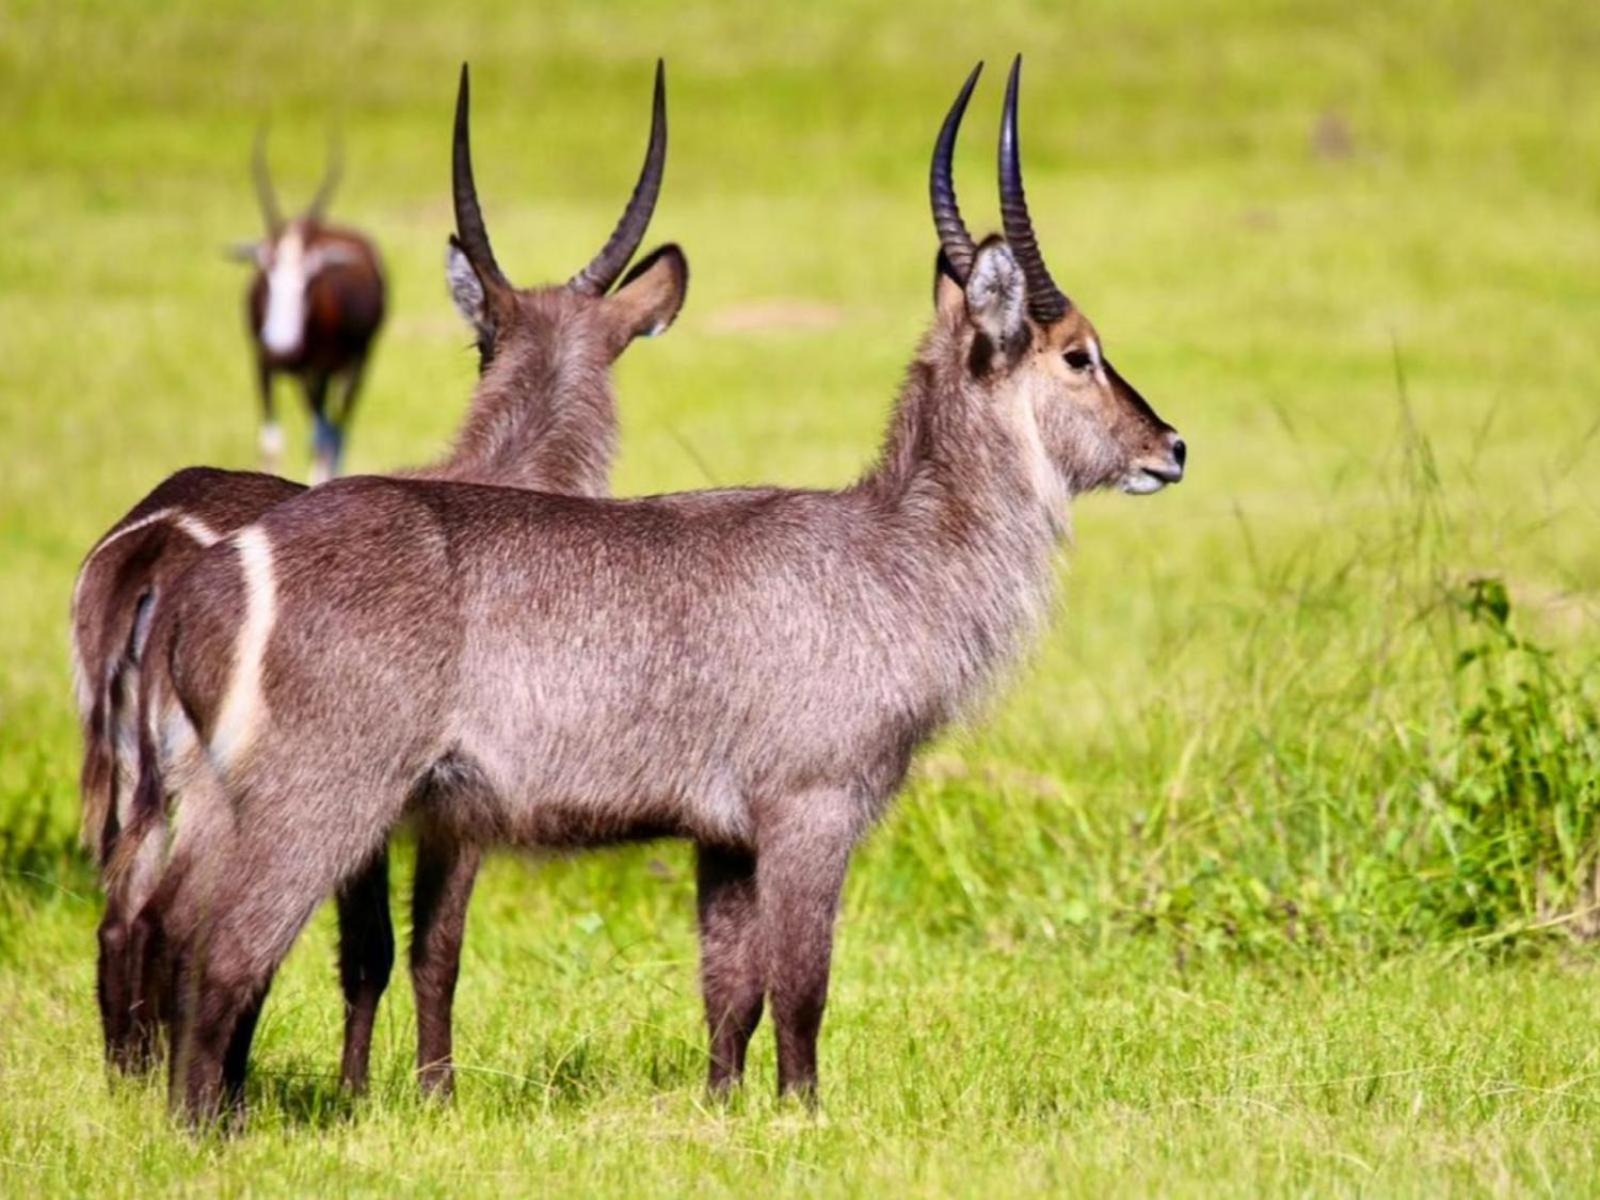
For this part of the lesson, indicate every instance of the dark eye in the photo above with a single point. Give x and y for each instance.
(1078, 360)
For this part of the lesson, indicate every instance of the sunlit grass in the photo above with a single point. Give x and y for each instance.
(1272, 871)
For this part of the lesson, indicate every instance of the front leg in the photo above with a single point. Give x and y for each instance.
(271, 433)
(324, 436)
(799, 874)
(446, 870)
(732, 977)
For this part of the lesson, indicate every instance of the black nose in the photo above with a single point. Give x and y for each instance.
(1180, 452)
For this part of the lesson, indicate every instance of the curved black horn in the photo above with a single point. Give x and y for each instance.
(330, 178)
(1046, 302)
(265, 196)
(954, 240)
(470, 233)
(596, 278)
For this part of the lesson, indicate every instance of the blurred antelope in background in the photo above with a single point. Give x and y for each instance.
(315, 304)
(543, 415)
(751, 669)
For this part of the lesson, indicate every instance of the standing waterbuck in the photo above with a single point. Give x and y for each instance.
(315, 304)
(750, 669)
(542, 416)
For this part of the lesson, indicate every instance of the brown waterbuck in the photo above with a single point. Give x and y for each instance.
(315, 304)
(543, 416)
(750, 669)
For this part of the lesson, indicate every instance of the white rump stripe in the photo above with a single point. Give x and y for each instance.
(192, 527)
(197, 529)
(243, 707)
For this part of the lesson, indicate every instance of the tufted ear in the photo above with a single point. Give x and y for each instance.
(996, 296)
(651, 294)
(949, 301)
(253, 253)
(466, 289)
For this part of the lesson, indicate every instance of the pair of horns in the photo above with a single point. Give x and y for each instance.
(1046, 302)
(603, 270)
(268, 197)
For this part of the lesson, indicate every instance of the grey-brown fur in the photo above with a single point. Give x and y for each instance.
(543, 415)
(750, 669)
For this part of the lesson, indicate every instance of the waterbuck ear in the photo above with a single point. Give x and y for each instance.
(948, 299)
(996, 294)
(253, 253)
(650, 295)
(466, 289)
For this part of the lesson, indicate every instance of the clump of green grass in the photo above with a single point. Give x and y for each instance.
(1518, 794)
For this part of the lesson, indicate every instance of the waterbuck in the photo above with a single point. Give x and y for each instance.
(315, 304)
(543, 415)
(751, 669)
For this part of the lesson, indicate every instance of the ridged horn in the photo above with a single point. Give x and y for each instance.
(957, 244)
(604, 269)
(265, 196)
(470, 233)
(1046, 302)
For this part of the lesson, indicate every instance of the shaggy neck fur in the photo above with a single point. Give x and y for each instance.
(973, 511)
(542, 417)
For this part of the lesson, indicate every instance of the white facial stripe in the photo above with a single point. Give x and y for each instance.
(283, 324)
(243, 707)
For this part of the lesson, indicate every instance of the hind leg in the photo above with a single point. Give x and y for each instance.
(225, 966)
(218, 987)
(366, 956)
(446, 871)
(237, 905)
(128, 986)
(128, 1024)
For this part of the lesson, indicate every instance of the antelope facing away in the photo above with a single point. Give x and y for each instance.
(315, 304)
(751, 669)
(542, 416)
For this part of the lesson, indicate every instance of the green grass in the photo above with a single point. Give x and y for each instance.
(1273, 872)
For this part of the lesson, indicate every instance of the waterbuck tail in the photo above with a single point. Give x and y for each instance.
(110, 740)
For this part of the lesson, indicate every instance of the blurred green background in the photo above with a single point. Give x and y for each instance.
(1274, 871)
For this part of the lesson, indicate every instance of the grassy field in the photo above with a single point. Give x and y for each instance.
(1275, 870)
